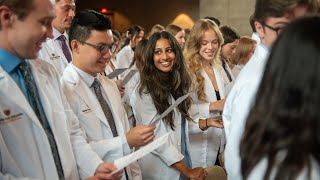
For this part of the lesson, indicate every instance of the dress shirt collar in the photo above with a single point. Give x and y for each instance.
(87, 78)
(57, 34)
(8, 61)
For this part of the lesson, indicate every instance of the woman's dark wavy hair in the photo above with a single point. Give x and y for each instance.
(161, 85)
(286, 116)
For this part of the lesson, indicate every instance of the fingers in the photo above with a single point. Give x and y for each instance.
(147, 135)
(148, 139)
(104, 171)
(203, 174)
(104, 176)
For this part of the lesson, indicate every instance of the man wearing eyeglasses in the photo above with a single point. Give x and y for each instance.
(56, 50)
(270, 17)
(95, 98)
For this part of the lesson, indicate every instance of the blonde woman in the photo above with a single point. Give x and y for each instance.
(244, 51)
(202, 53)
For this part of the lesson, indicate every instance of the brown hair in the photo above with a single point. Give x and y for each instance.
(156, 28)
(20, 7)
(173, 29)
(243, 50)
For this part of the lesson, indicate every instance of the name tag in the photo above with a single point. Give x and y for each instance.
(86, 110)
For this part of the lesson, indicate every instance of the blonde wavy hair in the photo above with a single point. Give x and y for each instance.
(192, 56)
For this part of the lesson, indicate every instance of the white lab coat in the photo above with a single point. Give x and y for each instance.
(93, 121)
(237, 107)
(129, 88)
(157, 165)
(204, 145)
(52, 53)
(124, 59)
(24, 147)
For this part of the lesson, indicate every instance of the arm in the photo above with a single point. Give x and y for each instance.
(217, 105)
(204, 124)
(196, 173)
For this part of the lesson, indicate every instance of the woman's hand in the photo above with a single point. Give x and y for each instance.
(204, 124)
(215, 122)
(198, 173)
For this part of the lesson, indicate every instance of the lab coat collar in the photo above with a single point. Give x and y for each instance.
(71, 77)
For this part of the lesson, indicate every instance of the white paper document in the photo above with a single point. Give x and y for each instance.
(126, 160)
(128, 77)
(116, 73)
(166, 112)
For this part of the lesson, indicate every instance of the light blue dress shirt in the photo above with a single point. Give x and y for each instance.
(10, 64)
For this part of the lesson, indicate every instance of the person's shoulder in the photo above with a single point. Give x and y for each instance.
(43, 65)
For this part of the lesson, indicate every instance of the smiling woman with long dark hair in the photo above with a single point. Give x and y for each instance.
(164, 78)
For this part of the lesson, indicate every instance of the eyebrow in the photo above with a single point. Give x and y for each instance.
(209, 40)
(281, 23)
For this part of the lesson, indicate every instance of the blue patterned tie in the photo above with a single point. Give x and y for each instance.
(38, 109)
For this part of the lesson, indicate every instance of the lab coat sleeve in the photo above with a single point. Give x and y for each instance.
(198, 110)
(10, 177)
(113, 147)
(87, 159)
(144, 111)
(124, 58)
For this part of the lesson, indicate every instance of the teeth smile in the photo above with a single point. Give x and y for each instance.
(165, 63)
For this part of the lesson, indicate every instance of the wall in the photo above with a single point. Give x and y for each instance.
(145, 13)
(235, 13)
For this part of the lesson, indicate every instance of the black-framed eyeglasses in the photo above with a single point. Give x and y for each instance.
(102, 48)
(277, 30)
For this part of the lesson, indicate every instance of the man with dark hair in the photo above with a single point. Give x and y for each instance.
(39, 137)
(254, 35)
(270, 16)
(56, 50)
(94, 98)
(214, 19)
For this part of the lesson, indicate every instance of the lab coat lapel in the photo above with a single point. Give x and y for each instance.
(44, 87)
(219, 79)
(11, 91)
(85, 93)
(209, 89)
(54, 48)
